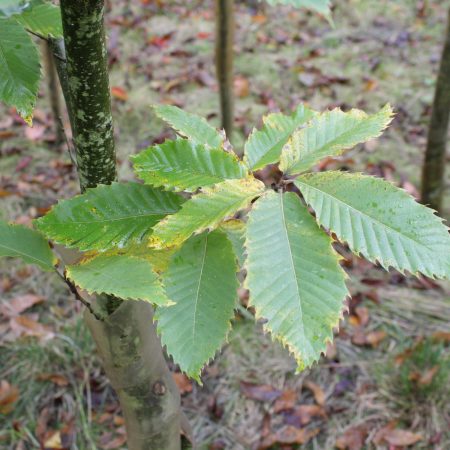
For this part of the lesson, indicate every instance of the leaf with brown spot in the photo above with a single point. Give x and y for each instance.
(260, 392)
(319, 394)
(9, 395)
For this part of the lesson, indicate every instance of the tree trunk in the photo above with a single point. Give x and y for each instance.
(135, 365)
(224, 61)
(88, 84)
(125, 338)
(53, 90)
(433, 169)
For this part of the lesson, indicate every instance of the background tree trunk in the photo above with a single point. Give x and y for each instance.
(433, 169)
(126, 339)
(224, 61)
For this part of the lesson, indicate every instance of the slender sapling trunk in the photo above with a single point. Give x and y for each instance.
(435, 155)
(126, 338)
(224, 61)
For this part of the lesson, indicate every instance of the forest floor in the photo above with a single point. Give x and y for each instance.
(385, 382)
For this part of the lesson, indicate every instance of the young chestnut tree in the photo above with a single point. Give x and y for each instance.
(182, 252)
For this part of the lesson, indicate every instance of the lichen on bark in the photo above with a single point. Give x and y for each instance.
(88, 86)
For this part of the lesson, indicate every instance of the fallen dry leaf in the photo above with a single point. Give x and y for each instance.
(401, 438)
(352, 439)
(54, 441)
(441, 336)
(426, 378)
(375, 337)
(26, 326)
(261, 392)
(241, 87)
(259, 18)
(183, 383)
(303, 414)
(35, 132)
(119, 93)
(19, 304)
(9, 394)
(319, 394)
(286, 401)
(111, 444)
(288, 435)
(56, 378)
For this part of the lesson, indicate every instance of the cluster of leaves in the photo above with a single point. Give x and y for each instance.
(20, 69)
(182, 252)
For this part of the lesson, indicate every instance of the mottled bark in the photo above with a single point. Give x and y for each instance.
(224, 61)
(53, 90)
(126, 338)
(132, 357)
(88, 83)
(433, 169)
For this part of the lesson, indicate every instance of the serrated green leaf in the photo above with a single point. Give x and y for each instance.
(42, 18)
(293, 275)
(205, 211)
(20, 70)
(235, 231)
(379, 221)
(182, 165)
(21, 242)
(202, 282)
(125, 277)
(264, 146)
(108, 216)
(320, 6)
(329, 134)
(191, 126)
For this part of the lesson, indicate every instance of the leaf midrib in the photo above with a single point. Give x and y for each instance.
(114, 220)
(265, 131)
(315, 154)
(26, 255)
(198, 288)
(194, 169)
(291, 260)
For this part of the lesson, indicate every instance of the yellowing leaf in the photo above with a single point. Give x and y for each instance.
(205, 211)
